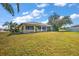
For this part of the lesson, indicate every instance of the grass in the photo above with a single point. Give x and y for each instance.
(40, 44)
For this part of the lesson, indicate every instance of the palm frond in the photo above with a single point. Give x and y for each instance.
(5, 24)
(17, 4)
(8, 7)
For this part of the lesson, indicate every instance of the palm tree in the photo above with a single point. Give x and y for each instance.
(14, 27)
(7, 24)
(11, 26)
(9, 7)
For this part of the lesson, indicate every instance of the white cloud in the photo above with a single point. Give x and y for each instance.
(25, 13)
(23, 19)
(73, 16)
(35, 14)
(61, 17)
(42, 5)
(2, 27)
(60, 4)
(46, 21)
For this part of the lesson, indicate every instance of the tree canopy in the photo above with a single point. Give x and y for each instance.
(58, 22)
(12, 27)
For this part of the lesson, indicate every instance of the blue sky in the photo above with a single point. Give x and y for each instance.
(33, 12)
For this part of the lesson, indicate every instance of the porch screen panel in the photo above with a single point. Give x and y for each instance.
(29, 28)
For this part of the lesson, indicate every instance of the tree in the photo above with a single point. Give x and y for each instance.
(9, 7)
(57, 23)
(7, 24)
(11, 26)
(66, 20)
(53, 21)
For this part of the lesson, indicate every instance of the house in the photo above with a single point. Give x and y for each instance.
(74, 28)
(34, 27)
(2, 30)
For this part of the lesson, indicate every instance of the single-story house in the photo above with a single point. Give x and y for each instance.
(74, 28)
(34, 27)
(2, 30)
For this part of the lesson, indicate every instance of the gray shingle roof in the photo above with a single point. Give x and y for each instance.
(35, 23)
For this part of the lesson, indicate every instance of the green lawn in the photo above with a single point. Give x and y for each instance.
(43, 43)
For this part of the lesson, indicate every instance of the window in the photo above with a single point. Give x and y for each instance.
(29, 28)
(44, 28)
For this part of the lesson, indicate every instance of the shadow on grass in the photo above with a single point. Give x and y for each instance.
(10, 34)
